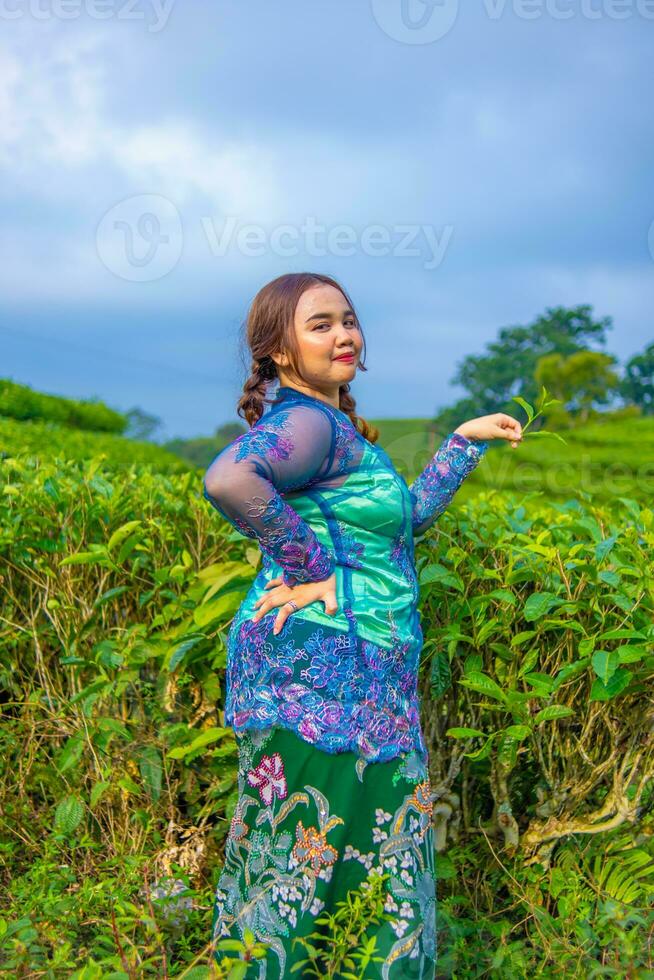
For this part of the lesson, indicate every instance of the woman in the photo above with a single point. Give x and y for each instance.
(323, 653)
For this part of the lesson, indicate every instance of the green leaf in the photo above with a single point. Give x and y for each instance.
(206, 738)
(441, 575)
(441, 674)
(524, 404)
(570, 670)
(507, 751)
(557, 882)
(231, 945)
(484, 751)
(478, 681)
(631, 653)
(605, 663)
(465, 733)
(521, 638)
(222, 608)
(518, 732)
(128, 784)
(151, 768)
(473, 662)
(71, 752)
(97, 792)
(623, 634)
(127, 548)
(178, 652)
(539, 604)
(112, 594)
(552, 712)
(542, 684)
(122, 533)
(503, 595)
(531, 658)
(602, 548)
(84, 558)
(68, 815)
(604, 692)
(545, 432)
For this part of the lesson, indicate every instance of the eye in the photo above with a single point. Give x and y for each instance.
(319, 325)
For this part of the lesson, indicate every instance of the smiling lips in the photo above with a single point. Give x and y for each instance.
(345, 357)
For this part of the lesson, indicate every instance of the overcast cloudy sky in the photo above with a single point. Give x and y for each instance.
(458, 167)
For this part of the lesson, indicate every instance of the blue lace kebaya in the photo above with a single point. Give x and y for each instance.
(320, 499)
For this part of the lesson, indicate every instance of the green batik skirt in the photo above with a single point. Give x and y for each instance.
(310, 826)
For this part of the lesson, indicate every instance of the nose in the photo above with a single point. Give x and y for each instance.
(345, 338)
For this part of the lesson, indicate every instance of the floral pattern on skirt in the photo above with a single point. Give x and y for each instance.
(308, 827)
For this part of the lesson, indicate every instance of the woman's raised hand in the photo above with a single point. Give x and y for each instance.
(302, 595)
(497, 426)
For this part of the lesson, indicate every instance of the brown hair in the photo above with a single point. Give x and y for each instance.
(269, 328)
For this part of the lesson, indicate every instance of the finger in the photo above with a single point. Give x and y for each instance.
(269, 593)
(274, 582)
(509, 431)
(281, 618)
(261, 611)
(508, 422)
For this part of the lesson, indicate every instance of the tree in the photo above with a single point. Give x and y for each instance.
(637, 385)
(141, 425)
(508, 367)
(582, 380)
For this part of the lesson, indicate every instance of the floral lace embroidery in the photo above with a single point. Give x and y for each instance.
(282, 534)
(288, 540)
(270, 437)
(351, 551)
(432, 491)
(400, 555)
(334, 690)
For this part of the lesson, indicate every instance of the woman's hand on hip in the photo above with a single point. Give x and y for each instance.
(497, 426)
(278, 594)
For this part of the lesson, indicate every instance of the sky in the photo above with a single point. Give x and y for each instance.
(458, 168)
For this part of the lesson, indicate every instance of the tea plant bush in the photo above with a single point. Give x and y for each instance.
(22, 402)
(118, 778)
(49, 441)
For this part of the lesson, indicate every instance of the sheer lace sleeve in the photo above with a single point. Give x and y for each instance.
(285, 450)
(432, 491)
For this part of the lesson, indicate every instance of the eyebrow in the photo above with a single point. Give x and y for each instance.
(328, 316)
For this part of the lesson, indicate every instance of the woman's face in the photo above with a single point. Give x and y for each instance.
(326, 330)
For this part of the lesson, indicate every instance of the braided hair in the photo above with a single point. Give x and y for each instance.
(269, 328)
